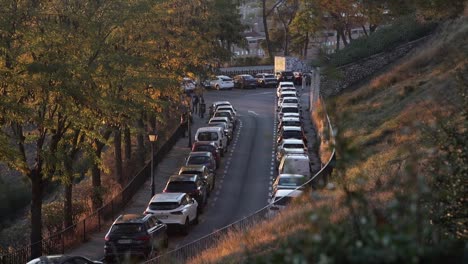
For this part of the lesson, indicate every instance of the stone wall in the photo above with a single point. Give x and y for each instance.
(352, 73)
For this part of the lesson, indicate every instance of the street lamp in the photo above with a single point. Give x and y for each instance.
(153, 137)
(189, 129)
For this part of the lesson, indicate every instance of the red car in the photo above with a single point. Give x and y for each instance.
(209, 146)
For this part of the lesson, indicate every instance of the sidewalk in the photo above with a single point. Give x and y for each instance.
(94, 247)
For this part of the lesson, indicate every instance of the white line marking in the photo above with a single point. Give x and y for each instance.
(250, 111)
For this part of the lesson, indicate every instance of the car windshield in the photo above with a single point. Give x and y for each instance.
(207, 136)
(293, 146)
(181, 186)
(290, 110)
(126, 228)
(191, 172)
(248, 77)
(290, 101)
(222, 114)
(288, 73)
(163, 206)
(292, 134)
(222, 125)
(226, 79)
(282, 200)
(291, 123)
(269, 76)
(198, 160)
(290, 181)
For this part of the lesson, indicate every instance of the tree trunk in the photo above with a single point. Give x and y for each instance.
(338, 39)
(343, 37)
(96, 172)
(350, 35)
(286, 41)
(372, 28)
(265, 27)
(306, 45)
(118, 155)
(128, 144)
(140, 143)
(67, 203)
(36, 212)
(365, 30)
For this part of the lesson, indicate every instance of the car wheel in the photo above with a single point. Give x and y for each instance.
(186, 227)
(152, 253)
(217, 87)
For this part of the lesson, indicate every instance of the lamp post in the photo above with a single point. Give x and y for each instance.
(153, 137)
(189, 128)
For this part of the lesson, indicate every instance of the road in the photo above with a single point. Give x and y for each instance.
(243, 179)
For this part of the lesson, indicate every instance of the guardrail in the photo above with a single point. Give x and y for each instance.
(78, 233)
(192, 249)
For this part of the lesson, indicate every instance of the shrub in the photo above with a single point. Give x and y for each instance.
(386, 38)
(12, 199)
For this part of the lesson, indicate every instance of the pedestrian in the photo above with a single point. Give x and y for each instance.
(195, 104)
(202, 109)
(183, 123)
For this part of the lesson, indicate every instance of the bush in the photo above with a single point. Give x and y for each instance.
(12, 199)
(401, 31)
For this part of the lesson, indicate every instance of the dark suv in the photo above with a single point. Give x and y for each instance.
(266, 80)
(135, 235)
(244, 81)
(191, 184)
(285, 76)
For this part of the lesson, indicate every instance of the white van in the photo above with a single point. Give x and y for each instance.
(215, 134)
(295, 164)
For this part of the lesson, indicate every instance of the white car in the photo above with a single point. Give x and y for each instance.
(222, 82)
(289, 182)
(283, 94)
(288, 100)
(220, 103)
(289, 108)
(188, 85)
(174, 209)
(281, 198)
(226, 107)
(285, 89)
(295, 164)
(222, 120)
(285, 84)
(287, 144)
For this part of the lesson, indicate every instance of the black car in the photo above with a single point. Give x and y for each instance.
(285, 76)
(245, 81)
(135, 235)
(192, 184)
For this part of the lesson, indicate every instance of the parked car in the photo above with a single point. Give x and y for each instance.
(283, 76)
(135, 235)
(285, 151)
(63, 259)
(202, 171)
(287, 144)
(192, 184)
(281, 198)
(297, 78)
(287, 94)
(289, 182)
(288, 108)
(222, 82)
(288, 132)
(285, 84)
(188, 85)
(209, 146)
(295, 164)
(266, 80)
(225, 113)
(289, 121)
(201, 158)
(214, 134)
(222, 120)
(245, 81)
(226, 107)
(283, 89)
(176, 208)
(227, 130)
(288, 100)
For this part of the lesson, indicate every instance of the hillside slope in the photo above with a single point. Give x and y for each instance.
(401, 172)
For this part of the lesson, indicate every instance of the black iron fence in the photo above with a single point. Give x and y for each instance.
(79, 232)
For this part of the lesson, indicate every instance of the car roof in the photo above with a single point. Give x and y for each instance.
(290, 97)
(56, 259)
(292, 128)
(290, 118)
(281, 83)
(167, 197)
(193, 167)
(221, 102)
(290, 175)
(219, 118)
(290, 105)
(296, 156)
(204, 143)
(209, 129)
(223, 76)
(183, 177)
(288, 193)
(293, 141)
(131, 218)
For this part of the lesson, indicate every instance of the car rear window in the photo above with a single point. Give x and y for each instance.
(293, 146)
(291, 123)
(226, 79)
(125, 228)
(222, 114)
(287, 73)
(181, 186)
(197, 160)
(290, 110)
(292, 134)
(163, 206)
(269, 76)
(191, 172)
(203, 148)
(293, 182)
(282, 200)
(290, 101)
(207, 136)
(248, 77)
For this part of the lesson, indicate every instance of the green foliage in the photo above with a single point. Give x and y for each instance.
(53, 215)
(386, 38)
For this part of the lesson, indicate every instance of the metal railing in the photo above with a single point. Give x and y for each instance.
(78, 233)
(192, 249)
